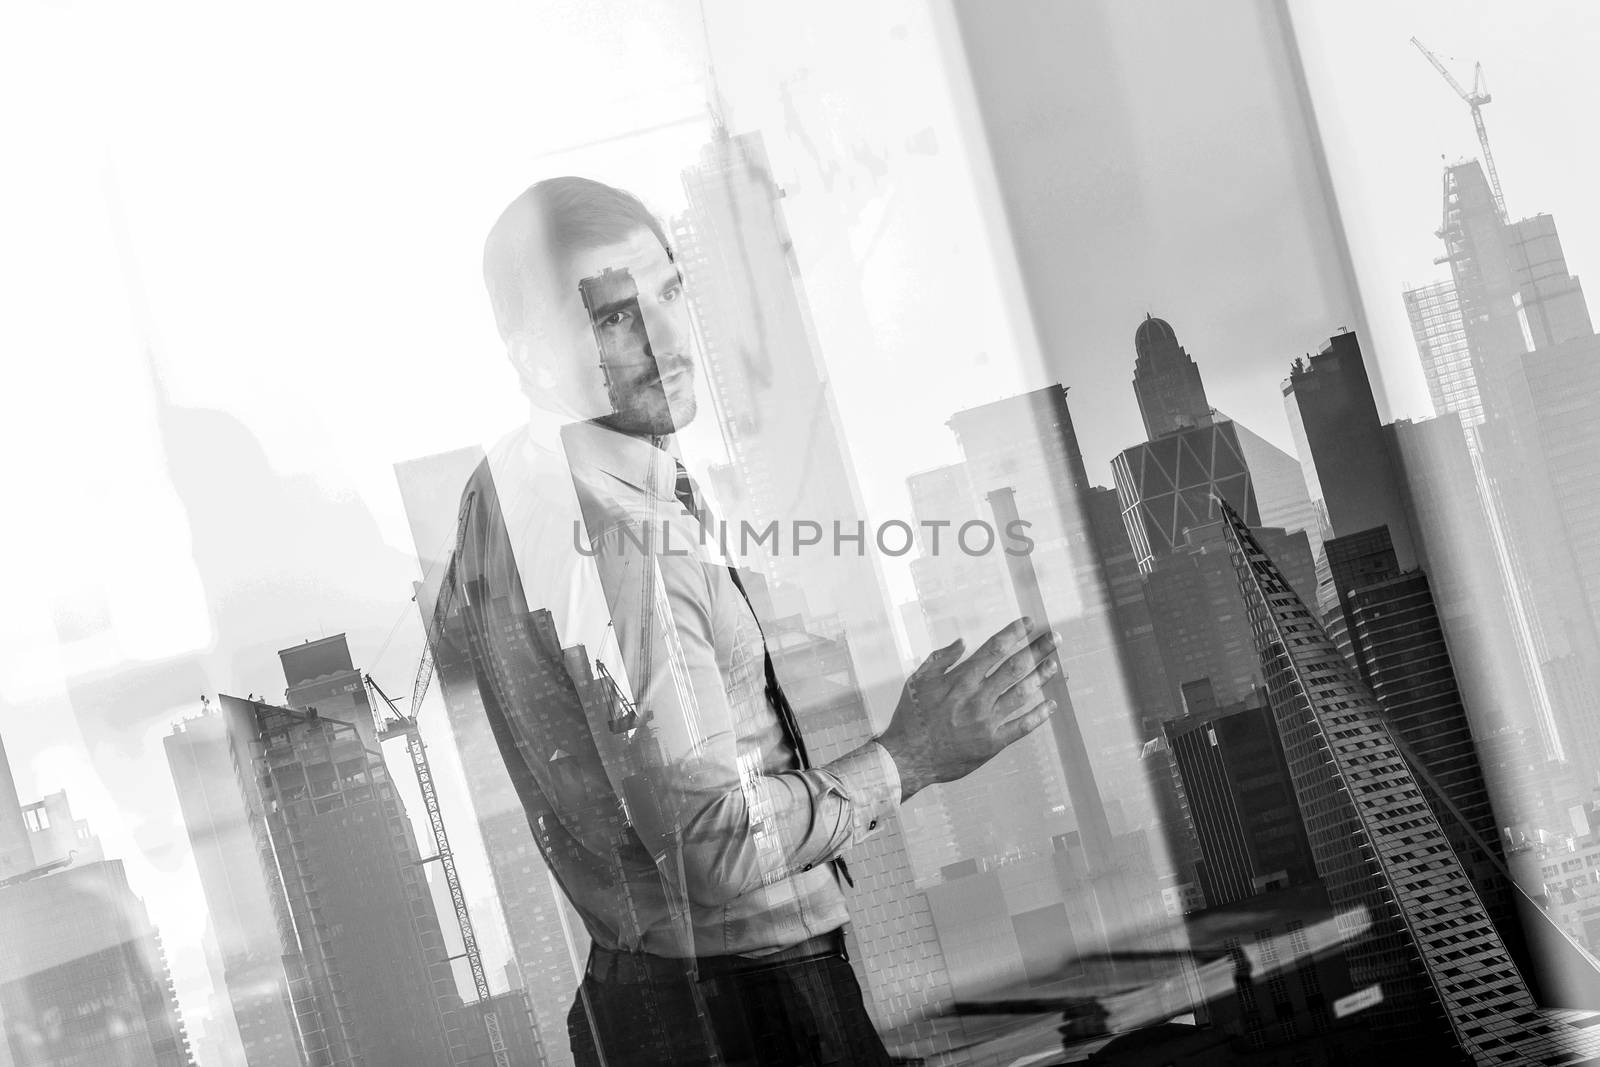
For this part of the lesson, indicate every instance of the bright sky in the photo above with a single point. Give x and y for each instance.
(284, 204)
(1387, 117)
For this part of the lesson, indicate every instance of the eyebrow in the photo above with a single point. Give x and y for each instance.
(605, 309)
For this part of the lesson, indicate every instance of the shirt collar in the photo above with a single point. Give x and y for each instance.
(645, 463)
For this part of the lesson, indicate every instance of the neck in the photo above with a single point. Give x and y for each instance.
(659, 440)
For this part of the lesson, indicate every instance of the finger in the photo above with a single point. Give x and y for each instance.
(1035, 656)
(1025, 694)
(942, 659)
(1013, 730)
(1006, 640)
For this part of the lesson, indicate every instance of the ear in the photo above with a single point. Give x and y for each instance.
(529, 352)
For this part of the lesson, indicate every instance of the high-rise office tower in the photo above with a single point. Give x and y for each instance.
(774, 405)
(1564, 388)
(1149, 689)
(1167, 483)
(1385, 623)
(1432, 952)
(1237, 791)
(363, 952)
(1530, 348)
(83, 979)
(1198, 616)
(1441, 337)
(1344, 454)
(1166, 381)
(1280, 487)
(238, 897)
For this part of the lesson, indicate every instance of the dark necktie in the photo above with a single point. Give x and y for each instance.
(684, 490)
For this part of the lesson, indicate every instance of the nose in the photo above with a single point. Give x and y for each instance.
(666, 332)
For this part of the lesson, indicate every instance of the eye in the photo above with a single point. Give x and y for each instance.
(616, 318)
(671, 293)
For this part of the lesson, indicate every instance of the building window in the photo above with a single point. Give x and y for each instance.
(37, 819)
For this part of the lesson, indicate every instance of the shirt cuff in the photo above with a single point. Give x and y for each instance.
(871, 783)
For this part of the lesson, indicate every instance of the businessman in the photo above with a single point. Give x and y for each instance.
(628, 684)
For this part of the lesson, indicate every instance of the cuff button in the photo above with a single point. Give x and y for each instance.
(873, 825)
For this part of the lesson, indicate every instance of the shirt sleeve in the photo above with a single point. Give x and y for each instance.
(721, 823)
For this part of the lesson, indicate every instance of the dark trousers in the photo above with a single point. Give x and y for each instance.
(806, 1011)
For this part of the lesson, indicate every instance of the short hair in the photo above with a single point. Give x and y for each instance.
(551, 219)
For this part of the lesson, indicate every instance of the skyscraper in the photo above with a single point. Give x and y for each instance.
(1386, 624)
(1198, 615)
(361, 943)
(238, 897)
(1280, 487)
(1237, 790)
(83, 979)
(1433, 954)
(1166, 484)
(1166, 381)
(1349, 469)
(320, 674)
(1441, 337)
(1530, 343)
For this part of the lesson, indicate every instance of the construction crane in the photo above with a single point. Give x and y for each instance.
(1475, 100)
(441, 610)
(390, 722)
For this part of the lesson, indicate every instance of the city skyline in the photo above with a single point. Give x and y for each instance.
(145, 606)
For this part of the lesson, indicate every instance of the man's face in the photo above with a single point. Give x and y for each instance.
(638, 319)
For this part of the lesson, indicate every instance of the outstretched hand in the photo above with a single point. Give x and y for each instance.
(956, 715)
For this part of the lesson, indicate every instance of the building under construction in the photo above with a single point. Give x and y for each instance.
(366, 965)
